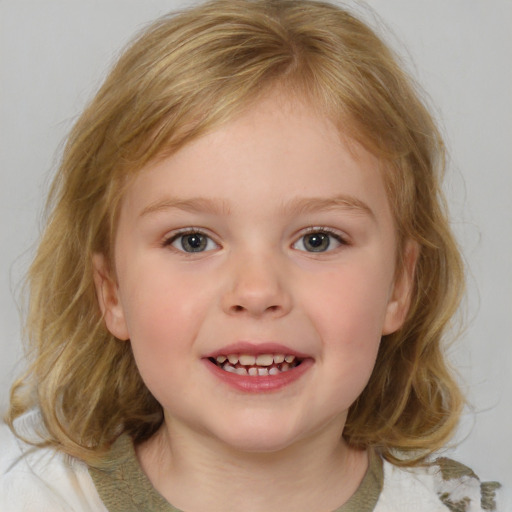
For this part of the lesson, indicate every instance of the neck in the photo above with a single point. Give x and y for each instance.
(314, 474)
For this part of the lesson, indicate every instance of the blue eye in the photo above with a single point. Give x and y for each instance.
(192, 241)
(318, 241)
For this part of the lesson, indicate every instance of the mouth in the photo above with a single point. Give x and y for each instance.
(260, 365)
(258, 368)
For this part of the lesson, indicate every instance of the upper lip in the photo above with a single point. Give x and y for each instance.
(256, 348)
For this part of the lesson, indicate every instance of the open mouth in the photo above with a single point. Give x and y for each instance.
(256, 365)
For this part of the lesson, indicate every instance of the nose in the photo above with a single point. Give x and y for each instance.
(257, 287)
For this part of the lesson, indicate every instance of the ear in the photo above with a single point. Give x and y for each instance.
(400, 298)
(107, 292)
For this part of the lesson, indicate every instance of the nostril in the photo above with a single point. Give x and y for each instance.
(239, 309)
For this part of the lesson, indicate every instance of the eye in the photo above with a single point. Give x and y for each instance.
(319, 240)
(191, 241)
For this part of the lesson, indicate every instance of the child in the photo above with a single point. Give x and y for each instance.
(240, 296)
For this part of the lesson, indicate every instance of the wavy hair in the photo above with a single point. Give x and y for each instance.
(183, 76)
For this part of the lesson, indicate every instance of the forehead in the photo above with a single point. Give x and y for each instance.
(278, 150)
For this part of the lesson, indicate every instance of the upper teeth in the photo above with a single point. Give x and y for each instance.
(259, 360)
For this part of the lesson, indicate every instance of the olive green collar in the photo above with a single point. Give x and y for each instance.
(123, 486)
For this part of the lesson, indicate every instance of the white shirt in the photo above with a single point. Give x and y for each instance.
(45, 480)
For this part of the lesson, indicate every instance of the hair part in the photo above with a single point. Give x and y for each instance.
(185, 75)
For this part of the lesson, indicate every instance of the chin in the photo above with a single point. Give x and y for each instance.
(258, 438)
(261, 444)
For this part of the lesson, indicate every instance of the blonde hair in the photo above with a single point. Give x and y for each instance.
(183, 76)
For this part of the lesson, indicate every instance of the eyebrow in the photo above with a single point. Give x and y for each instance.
(302, 205)
(194, 205)
(315, 204)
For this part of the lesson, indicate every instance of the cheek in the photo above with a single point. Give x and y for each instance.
(163, 316)
(351, 304)
(348, 316)
(163, 326)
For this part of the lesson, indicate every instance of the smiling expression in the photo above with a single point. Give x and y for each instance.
(255, 276)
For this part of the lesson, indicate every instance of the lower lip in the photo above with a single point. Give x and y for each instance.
(260, 383)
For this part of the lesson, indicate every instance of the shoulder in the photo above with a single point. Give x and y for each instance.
(442, 486)
(41, 479)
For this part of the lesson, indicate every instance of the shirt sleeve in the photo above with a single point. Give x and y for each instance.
(42, 480)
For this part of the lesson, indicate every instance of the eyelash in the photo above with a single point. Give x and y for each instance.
(331, 233)
(169, 241)
(342, 240)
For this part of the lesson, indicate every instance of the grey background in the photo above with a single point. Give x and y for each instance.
(54, 53)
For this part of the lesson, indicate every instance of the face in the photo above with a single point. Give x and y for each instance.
(255, 276)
